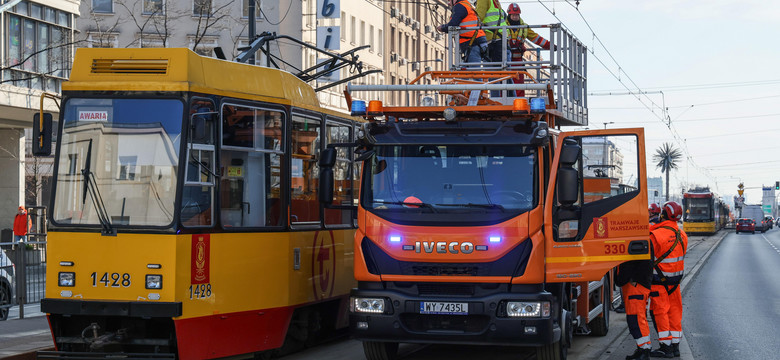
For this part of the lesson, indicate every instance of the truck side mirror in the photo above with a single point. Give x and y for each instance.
(568, 176)
(326, 162)
(42, 134)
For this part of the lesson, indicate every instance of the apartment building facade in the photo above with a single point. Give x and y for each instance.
(35, 52)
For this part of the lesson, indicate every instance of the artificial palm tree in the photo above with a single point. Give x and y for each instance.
(667, 157)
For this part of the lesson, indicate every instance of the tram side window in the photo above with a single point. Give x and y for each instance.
(343, 192)
(304, 177)
(251, 160)
(198, 191)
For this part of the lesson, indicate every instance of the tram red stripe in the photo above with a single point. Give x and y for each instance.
(223, 335)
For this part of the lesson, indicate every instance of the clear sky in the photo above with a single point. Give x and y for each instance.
(715, 61)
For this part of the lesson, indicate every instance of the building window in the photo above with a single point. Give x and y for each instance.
(205, 46)
(153, 7)
(343, 26)
(201, 8)
(362, 32)
(102, 6)
(380, 39)
(102, 40)
(245, 9)
(352, 29)
(371, 38)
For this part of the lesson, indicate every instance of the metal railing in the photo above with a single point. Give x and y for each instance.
(564, 67)
(23, 266)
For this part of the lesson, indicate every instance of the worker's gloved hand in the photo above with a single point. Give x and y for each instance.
(441, 28)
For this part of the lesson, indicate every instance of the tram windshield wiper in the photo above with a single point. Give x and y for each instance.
(90, 187)
(417, 204)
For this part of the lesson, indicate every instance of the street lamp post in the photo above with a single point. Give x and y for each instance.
(407, 72)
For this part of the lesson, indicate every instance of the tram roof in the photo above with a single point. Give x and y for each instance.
(181, 69)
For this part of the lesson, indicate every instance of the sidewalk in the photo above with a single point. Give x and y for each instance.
(19, 336)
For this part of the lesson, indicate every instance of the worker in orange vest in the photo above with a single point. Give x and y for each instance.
(22, 225)
(473, 43)
(669, 245)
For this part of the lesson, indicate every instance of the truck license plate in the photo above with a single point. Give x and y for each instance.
(444, 308)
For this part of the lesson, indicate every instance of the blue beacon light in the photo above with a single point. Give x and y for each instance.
(358, 107)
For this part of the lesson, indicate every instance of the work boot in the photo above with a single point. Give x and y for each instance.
(676, 349)
(639, 354)
(665, 352)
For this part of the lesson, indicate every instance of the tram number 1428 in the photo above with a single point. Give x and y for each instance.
(111, 279)
(200, 291)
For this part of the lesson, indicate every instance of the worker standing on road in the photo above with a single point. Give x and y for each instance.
(473, 43)
(635, 281)
(516, 39)
(670, 244)
(655, 213)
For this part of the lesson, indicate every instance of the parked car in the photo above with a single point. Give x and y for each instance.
(7, 287)
(746, 225)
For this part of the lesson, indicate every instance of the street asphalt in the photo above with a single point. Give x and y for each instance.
(32, 333)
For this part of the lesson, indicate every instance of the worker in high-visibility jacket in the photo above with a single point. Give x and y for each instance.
(669, 245)
(492, 14)
(473, 43)
(516, 39)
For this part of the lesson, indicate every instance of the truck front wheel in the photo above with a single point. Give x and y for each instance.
(375, 350)
(559, 349)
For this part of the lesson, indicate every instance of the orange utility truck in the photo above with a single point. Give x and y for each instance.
(473, 222)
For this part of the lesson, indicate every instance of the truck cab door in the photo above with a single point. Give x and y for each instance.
(595, 216)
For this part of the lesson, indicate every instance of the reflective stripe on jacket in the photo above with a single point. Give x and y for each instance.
(517, 36)
(672, 266)
(492, 14)
(470, 21)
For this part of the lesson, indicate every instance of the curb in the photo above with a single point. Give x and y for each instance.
(702, 259)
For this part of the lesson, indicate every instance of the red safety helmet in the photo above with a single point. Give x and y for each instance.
(654, 209)
(672, 211)
(513, 9)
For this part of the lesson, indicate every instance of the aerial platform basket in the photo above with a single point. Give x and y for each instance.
(486, 89)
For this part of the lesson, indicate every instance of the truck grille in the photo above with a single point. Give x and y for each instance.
(459, 323)
(440, 289)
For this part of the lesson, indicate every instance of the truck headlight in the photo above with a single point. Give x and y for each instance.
(528, 308)
(367, 305)
(67, 279)
(154, 281)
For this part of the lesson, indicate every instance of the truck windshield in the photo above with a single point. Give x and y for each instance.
(118, 161)
(484, 182)
(699, 209)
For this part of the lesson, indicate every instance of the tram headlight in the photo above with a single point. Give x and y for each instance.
(154, 281)
(368, 305)
(67, 279)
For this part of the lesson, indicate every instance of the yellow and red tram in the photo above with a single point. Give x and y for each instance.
(185, 219)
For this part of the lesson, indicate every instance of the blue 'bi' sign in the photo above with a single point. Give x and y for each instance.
(328, 9)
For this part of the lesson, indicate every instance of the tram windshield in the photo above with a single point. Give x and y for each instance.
(481, 183)
(118, 161)
(698, 209)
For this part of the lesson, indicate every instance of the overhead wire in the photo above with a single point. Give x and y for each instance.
(638, 93)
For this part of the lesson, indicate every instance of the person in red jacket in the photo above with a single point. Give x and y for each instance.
(669, 245)
(22, 225)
